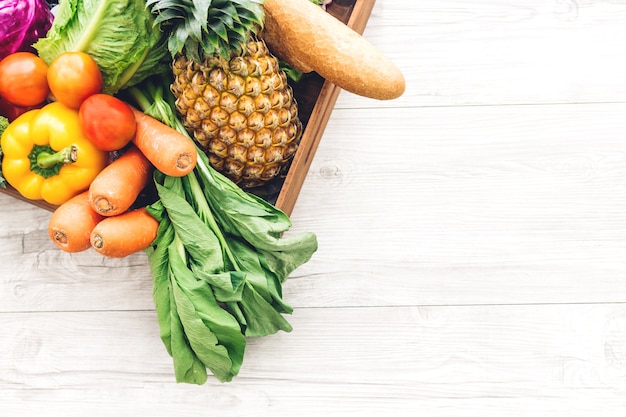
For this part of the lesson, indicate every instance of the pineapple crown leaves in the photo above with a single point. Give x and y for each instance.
(199, 28)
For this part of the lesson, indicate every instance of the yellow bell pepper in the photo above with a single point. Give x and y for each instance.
(47, 156)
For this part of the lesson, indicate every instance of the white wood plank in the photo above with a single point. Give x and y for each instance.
(500, 51)
(36, 275)
(442, 361)
(512, 204)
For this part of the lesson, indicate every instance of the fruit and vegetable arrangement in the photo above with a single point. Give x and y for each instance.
(147, 124)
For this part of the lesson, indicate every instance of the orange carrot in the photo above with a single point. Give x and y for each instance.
(170, 151)
(125, 234)
(117, 186)
(72, 222)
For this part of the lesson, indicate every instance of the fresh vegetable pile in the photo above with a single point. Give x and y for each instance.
(141, 122)
(217, 254)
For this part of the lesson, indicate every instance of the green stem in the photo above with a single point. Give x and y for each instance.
(91, 29)
(130, 71)
(180, 248)
(209, 219)
(157, 101)
(140, 98)
(64, 156)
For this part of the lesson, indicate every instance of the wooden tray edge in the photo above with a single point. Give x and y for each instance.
(322, 111)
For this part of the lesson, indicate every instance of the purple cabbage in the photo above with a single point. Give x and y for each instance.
(22, 23)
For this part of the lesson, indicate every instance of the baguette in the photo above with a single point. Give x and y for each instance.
(310, 39)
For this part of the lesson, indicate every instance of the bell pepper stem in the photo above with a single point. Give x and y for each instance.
(64, 156)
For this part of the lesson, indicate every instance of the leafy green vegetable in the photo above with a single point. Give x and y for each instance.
(218, 263)
(292, 73)
(4, 123)
(119, 35)
(196, 331)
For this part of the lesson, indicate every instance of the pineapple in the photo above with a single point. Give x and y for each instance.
(232, 96)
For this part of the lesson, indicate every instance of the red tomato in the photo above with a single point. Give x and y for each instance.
(23, 79)
(74, 76)
(108, 122)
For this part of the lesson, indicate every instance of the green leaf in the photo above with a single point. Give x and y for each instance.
(187, 366)
(199, 240)
(288, 253)
(259, 223)
(213, 334)
(201, 12)
(235, 310)
(261, 317)
(219, 28)
(226, 286)
(248, 260)
(193, 252)
(234, 208)
(154, 61)
(159, 267)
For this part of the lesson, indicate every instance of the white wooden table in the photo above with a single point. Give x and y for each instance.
(472, 257)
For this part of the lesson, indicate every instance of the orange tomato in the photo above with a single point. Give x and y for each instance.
(23, 79)
(74, 76)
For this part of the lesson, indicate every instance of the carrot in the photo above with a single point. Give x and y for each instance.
(170, 151)
(125, 234)
(72, 222)
(117, 186)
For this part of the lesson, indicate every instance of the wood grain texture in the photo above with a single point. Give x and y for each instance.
(472, 246)
(507, 204)
(501, 51)
(441, 361)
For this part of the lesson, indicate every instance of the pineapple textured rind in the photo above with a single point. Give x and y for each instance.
(231, 94)
(241, 111)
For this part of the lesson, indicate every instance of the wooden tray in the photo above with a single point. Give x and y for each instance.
(316, 99)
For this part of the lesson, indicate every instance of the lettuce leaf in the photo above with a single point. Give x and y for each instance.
(120, 35)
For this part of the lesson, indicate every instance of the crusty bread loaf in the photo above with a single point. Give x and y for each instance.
(305, 36)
